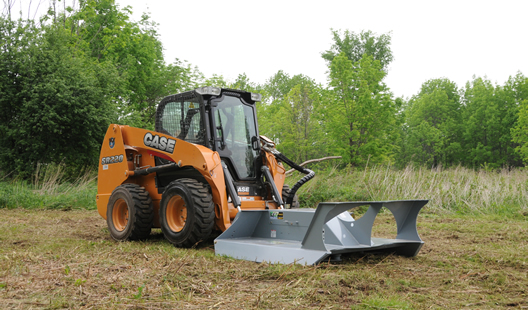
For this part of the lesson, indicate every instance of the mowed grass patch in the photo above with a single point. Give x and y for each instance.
(52, 259)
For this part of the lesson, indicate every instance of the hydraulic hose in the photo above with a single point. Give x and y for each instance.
(309, 175)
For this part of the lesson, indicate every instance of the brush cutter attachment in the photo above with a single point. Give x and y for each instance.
(308, 236)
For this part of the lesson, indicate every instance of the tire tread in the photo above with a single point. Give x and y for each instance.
(204, 211)
(144, 213)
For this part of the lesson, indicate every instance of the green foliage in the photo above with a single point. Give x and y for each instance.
(359, 113)
(50, 188)
(79, 282)
(56, 104)
(361, 116)
(289, 116)
(18, 194)
(105, 33)
(332, 185)
(480, 126)
(432, 130)
(518, 87)
(490, 113)
(299, 126)
(140, 292)
(243, 83)
(382, 302)
(215, 80)
(280, 84)
(355, 46)
(519, 132)
(65, 79)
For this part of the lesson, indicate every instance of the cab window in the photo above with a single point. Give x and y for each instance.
(182, 119)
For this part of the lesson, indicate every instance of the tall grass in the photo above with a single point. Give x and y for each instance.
(453, 190)
(458, 189)
(49, 188)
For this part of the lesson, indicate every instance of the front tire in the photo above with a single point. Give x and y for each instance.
(129, 213)
(186, 212)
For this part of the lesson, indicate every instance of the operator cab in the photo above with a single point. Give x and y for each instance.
(223, 120)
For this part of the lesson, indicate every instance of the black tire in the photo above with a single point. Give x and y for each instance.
(129, 213)
(186, 212)
(285, 194)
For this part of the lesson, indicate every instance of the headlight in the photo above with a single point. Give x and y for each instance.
(256, 97)
(208, 90)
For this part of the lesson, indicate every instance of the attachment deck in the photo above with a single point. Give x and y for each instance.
(309, 236)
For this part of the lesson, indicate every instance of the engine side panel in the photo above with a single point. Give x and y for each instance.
(112, 166)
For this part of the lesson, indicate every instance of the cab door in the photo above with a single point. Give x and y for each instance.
(236, 135)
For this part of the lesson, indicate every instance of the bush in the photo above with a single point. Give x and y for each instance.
(55, 105)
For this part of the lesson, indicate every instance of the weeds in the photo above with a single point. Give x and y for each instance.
(454, 190)
(50, 189)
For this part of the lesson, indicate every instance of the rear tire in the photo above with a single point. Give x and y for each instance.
(129, 213)
(286, 193)
(186, 212)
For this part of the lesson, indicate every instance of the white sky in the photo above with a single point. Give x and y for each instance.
(430, 39)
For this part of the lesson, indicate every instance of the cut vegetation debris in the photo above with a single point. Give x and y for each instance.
(52, 259)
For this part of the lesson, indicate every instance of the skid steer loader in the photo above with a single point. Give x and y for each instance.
(206, 168)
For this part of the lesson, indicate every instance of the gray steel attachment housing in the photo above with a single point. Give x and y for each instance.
(308, 236)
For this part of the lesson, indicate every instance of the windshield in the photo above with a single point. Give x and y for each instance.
(235, 126)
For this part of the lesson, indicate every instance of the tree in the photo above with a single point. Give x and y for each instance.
(280, 84)
(517, 88)
(105, 32)
(361, 119)
(299, 127)
(433, 130)
(354, 46)
(65, 78)
(362, 116)
(519, 132)
(56, 105)
(215, 80)
(287, 115)
(243, 83)
(490, 113)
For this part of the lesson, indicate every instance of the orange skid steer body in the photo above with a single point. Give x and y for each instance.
(131, 149)
(204, 166)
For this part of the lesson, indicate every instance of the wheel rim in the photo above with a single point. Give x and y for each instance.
(176, 213)
(120, 215)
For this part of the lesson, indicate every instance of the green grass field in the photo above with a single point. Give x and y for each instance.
(60, 255)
